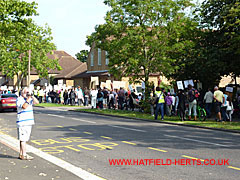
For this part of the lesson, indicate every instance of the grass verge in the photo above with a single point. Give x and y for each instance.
(208, 123)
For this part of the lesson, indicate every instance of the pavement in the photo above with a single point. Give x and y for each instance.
(12, 168)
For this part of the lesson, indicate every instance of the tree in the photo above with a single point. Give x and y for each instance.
(82, 55)
(18, 35)
(140, 37)
(222, 18)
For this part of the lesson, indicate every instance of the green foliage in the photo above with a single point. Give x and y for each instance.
(18, 35)
(222, 18)
(140, 37)
(82, 55)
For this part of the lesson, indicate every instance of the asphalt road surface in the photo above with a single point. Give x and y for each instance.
(94, 143)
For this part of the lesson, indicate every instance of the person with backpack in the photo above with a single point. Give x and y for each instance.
(105, 97)
(193, 94)
(72, 97)
(100, 98)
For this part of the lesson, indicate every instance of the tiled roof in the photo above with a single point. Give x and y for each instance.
(72, 71)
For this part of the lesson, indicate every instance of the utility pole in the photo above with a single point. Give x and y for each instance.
(29, 62)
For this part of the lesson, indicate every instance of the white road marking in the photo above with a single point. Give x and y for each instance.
(205, 142)
(54, 115)
(14, 144)
(84, 120)
(138, 130)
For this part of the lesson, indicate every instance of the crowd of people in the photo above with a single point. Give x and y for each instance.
(183, 103)
(187, 101)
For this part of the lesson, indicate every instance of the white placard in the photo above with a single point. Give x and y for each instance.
(3, 88)
(130, 87)
(143, 85)
(96, 79)
(116, 84)
(229, 89)
(187, 82)
(10, 88)
(180, 85)
(60, 82)
(172, 91)
(108, 84)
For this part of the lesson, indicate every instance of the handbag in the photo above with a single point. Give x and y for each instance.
(135, 102)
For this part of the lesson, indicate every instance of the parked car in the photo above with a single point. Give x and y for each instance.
(8, 101)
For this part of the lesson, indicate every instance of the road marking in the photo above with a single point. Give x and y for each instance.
(197, 140)
(60, 126)
(189, 157)
(138, 130)
(87, 132)
(72, 129)
(129, 143)
(54, 115)
(234, 168)
(14, 144)
(106, 137)
(83, 120)
(155, 149)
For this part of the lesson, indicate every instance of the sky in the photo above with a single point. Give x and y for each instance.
(71, 21)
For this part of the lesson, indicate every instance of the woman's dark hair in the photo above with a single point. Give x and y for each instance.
(158, 88)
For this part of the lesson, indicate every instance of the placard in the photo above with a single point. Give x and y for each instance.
(187, 82)
(96, 79)
(229, 89)
(180, 85)
(108, 84)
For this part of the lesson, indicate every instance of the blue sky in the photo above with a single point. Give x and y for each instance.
(71, 21)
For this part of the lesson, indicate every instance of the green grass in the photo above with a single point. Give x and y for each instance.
(207, 123)
(53, 105)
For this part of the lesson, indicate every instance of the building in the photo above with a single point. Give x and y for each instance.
(70, 67)
(97, 67)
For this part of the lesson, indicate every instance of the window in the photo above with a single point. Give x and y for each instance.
(99, 57)
(92, 56)
(107, 59)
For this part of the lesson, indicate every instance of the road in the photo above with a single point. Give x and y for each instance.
(90, 141)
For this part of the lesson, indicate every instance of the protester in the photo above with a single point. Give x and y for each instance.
(131, 97)
(229, 109)
(160, 103)
(86, 96)
(192, 102)
(105, 97)
(100, 99)
(65, 97)
(79, 94)
(224, 107)
(94, 98)
(218, 100)
(181, 104)
(25, 120)
(121, 98)
(208, 99)
(72, 97)
(168, 101)
(111, 101)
